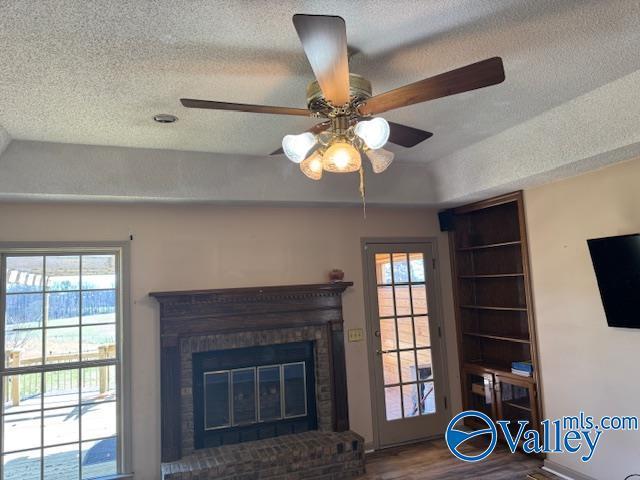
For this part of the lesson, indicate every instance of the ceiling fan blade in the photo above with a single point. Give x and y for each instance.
(243, 107)
(407, 136)
(477, 75)
(318, 128)
(324, 39)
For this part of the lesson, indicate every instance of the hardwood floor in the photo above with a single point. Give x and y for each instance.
(432, 460)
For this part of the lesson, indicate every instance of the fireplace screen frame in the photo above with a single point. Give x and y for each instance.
(254, 358)
(256, 389)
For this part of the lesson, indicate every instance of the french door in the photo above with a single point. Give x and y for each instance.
(405, 338)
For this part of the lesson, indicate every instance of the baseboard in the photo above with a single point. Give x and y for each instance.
(564, 472)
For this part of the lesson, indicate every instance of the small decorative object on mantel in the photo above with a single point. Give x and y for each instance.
(336, 275)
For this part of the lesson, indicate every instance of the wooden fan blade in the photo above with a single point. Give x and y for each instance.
(477, 75)
(243, 107)
(320, 127)
(324, 40)
(407, 136)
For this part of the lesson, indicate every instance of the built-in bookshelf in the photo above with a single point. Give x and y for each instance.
(493, 307)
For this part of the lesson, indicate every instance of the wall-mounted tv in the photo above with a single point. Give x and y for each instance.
(616, 261)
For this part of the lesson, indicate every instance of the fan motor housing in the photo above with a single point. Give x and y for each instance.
(359, 89)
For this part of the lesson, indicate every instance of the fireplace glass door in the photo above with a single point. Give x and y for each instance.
(273, 396)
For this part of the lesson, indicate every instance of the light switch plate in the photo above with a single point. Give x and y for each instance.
(355, 334)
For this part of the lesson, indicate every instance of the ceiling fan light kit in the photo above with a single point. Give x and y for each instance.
(346, 102)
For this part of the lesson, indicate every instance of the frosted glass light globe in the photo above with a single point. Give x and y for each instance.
(296, 147)
(342, 157)
(374, 133)
(312, 166)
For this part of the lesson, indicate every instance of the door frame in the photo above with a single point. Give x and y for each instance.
(370, 325)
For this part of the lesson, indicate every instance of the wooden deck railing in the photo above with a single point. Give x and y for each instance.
(18, 387)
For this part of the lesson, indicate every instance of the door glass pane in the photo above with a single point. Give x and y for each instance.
(61, 463)
(388, 333)
(385, 302)
(404, 326)
(403, 302)
(390, 368)
(62, 273)
(419, 299)
(392, 403)
(427, 398)
(62, 309)
(383, 268)
(405, 332)
(425, 367)
(22, 465)
(410, 400)
(423, 336)
(408, 366)
(416, 267)
(400, 268)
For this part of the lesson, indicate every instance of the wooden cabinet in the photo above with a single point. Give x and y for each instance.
(494, 309)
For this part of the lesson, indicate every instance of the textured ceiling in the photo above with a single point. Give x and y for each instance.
(94, 72)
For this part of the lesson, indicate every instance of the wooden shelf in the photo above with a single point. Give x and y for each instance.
(487, 307)
(489, 245)
(499, 369)
(492, 293)
(498, 337)
(518, 404)
(492, 275)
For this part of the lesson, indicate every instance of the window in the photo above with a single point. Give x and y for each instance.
(62, 410)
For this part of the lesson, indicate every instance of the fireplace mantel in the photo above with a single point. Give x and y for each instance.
(198, 313)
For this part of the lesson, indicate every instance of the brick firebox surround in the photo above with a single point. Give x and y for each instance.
(206, 320)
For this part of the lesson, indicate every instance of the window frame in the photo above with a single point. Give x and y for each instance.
(123, 335)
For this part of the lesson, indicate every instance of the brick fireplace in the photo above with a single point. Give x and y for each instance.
(253, 368)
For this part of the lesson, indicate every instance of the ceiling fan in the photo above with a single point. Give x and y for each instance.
(346, 103)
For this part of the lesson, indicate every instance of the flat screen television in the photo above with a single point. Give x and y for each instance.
(616, 261)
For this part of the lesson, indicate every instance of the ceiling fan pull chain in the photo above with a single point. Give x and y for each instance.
(362, 190)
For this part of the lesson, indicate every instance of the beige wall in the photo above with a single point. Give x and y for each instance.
(194, 247)
(585, 365)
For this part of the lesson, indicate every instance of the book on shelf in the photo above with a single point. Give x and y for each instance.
(521, 372)
(525, 366)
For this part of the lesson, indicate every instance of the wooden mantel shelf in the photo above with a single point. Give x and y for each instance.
(314, 288)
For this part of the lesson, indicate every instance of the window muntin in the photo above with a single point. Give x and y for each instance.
(61, 337)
